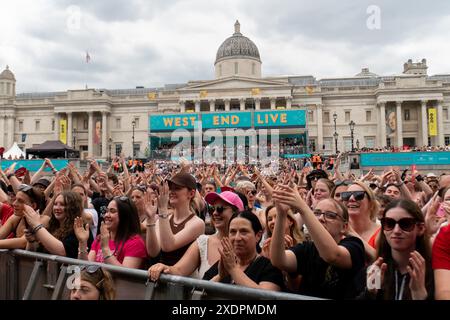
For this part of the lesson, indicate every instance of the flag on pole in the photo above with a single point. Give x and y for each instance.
(88, 57)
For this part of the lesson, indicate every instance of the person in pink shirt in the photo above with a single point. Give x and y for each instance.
(119, 242)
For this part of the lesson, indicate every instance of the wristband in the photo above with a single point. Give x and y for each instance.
(151, 224)
(107, 257)
(36, 229)
(81, 252)
(163, 215)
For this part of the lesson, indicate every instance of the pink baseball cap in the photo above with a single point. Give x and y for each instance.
(227, 196)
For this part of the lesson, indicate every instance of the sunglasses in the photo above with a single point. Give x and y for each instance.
(122, 198)
(357, 195)
(253, 192)
(220, 209)
(314, 177)
(406, 224)
(342, 183)
(329, 215)
(91, 269)
(141, 188)
(24, 188)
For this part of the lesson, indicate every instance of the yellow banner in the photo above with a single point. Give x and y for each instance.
(309, 89)
(151, 95)
(203, 94)
(432, 122)
(255, 91)
(63, 131)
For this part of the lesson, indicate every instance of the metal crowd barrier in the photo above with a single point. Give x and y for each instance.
(36, 276)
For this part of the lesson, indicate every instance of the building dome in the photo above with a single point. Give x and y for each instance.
(237, 46)
(7, 75)
(365, 73)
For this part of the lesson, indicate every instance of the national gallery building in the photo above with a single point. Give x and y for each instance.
(410, 108)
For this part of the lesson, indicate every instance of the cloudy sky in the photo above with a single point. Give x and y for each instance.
(151, 43)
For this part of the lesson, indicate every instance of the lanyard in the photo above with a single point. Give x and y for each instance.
(399, 295)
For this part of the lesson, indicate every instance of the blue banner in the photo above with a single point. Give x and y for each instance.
(404, 159)
(227, 120)
(34, 165)
(297, 156)
(280, 119)
(172, 122)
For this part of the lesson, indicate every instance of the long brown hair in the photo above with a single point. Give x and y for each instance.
(422, 246)
(73, 207)
(103, 281)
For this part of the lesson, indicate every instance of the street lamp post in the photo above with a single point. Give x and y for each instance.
(335, 135)
(74, 133)
(133, 123)
(352, 128)
(110, 145)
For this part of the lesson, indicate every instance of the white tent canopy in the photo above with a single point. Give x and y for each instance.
(15, 152)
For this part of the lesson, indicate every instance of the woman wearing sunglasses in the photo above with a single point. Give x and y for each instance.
(362, 209)
(96, 283)
(170, 235)
(404, 255)
(119, 242)
(55, 234)
(332, 264)
(12, 232)
(204, 252)
(339, 187)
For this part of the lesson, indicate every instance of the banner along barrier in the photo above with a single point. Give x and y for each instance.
(30, 275)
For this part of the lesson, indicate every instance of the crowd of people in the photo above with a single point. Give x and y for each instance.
(310, 230)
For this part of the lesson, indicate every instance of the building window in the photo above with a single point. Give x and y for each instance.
(326, 117)
(118, 123)
(429, 141)
(347, 116)
(136, 149)
(388, 142)
(53, 125)
(347, 144)
(312, 145)
(447, 140)
(310, 116)
(369, 142)
(368, 116)
(136, 123)
(84, 148)
(328, 143)
(407, 115)
(20, 125)
(37, 125)
(118, 148)
(236, 68)
(253, 68)
(445, 111)
(85, 124)
(8, 88)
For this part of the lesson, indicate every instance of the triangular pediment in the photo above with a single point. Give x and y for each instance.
(234, 83)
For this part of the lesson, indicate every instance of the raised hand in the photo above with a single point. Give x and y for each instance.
(163, 197)
(150, 206)
(104, 236)
(228, 258)
(81, 230)
(31, 215)
(416, 270)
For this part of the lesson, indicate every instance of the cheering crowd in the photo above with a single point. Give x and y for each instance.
(312, 231)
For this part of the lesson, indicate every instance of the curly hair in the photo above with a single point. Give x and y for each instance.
(73, 207)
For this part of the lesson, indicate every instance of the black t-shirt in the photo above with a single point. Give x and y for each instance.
(70, 243)
(100, 204)
(259, 270)
(320, 279)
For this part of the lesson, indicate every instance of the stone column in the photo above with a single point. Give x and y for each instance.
(69, 129)
(319, 128)
(57, 118)
(440, 122)
(242, 104)
(212, 105)
(2, 132)
(257, 103)
(288, 102)
(104, 134)
(272, 103)
(90, 134)
(182, 106)
(399, 124)
(197, 106)
(11, 131)
(424, 122)
(227, 104)
(382, 120)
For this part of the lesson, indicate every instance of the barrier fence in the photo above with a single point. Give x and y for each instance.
(29, 275)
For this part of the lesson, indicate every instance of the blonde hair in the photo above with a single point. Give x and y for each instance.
(294, 229)
(243, 185)
(374, 206)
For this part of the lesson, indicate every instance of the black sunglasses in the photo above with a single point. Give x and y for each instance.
(122, 198)
(357, 195)
(406, 224)
(24, 188)
(253, 192)
(329, 215)
(220, 209)
(91, 269)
